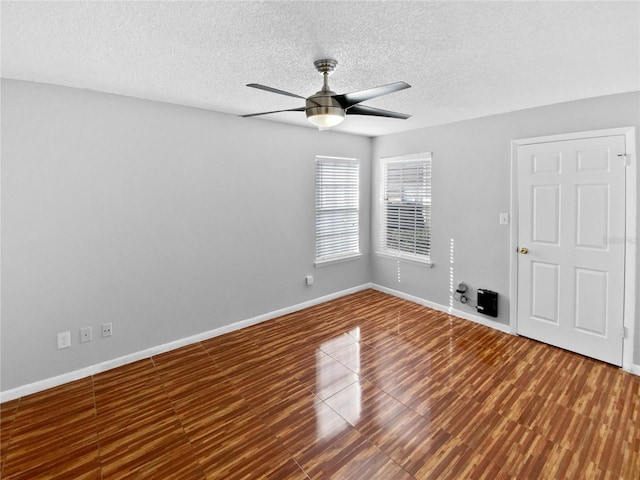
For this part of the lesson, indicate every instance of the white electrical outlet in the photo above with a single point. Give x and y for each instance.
(107, 329)
(64, 340)
(85, 335)
(309, 279)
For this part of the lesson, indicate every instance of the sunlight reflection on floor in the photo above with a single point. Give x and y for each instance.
(327, 377)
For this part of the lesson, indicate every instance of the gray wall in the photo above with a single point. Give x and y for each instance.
(167, 221)
(471, 186)
(171, 221)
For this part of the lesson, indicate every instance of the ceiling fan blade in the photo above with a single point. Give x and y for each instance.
(273, 90)
(376, 112)
(299, 109)
(349, 99)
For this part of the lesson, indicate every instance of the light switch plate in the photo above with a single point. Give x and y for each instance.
(504, 219)
(64, 340)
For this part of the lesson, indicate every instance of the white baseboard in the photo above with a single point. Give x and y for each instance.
(441, 308)
(149, 352)
(633, 368)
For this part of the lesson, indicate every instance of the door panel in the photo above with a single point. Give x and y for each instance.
(544, 291)
(591, 301)
(592, 229)
(593, 160)
(546, 163)
(546, 214)
(571, 210)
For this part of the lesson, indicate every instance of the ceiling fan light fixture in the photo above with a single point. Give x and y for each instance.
(323, 110)
(325, 117)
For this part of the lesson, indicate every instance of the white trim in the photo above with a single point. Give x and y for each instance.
(331, 261)
(149, 352)
(346, 159)
(406, 258)
(631, 253)
(631, 227)
(407, 158)
(513, 241)
(442, 308)
(561, 137)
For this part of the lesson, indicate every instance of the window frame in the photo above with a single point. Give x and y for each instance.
(330, 258)
(382, 248)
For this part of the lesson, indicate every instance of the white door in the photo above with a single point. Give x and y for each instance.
(571, 230)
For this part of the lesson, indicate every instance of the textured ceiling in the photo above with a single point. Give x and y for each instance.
(463, 59)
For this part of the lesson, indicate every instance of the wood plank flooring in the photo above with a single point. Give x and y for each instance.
(367, 386)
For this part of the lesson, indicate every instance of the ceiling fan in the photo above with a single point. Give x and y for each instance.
(326, 109)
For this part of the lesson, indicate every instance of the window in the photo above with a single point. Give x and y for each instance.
(337, 209)
(405, 207)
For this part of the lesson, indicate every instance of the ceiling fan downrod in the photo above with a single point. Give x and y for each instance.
(326, 67)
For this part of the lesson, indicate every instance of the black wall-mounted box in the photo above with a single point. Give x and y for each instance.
(487, 302)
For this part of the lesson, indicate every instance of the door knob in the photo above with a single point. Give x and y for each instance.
(524, 250)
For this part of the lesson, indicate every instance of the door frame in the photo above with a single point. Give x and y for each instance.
(630, 242)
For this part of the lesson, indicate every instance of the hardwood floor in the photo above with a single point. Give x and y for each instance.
(366, 386)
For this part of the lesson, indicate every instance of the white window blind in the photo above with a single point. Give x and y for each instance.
(337, 208)
(405, 207)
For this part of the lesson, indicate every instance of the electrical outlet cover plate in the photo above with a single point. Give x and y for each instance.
(107, 329)
(85, 334)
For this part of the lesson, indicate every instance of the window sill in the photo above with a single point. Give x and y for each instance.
(404, 258)
(331, 261)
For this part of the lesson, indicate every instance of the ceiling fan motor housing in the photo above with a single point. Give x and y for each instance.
(322, 104)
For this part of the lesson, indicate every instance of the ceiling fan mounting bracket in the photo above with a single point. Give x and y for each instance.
(326, 65)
